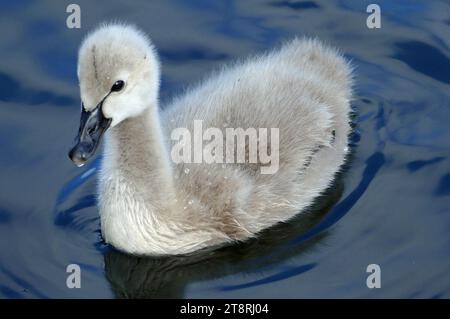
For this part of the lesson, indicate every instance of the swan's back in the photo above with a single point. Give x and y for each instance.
(303, 89)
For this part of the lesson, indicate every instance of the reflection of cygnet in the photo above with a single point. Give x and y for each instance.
(150, 204)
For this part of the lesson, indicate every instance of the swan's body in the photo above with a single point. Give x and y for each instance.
(150, 205)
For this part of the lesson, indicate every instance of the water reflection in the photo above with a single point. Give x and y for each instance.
(167, 277)
(12, 91)
(394, 208)
(425, 59)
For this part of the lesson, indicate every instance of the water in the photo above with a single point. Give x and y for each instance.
(389, 206)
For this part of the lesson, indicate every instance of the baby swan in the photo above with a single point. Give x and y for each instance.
(152, 205)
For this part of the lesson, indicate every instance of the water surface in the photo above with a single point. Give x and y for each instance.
(389, 206)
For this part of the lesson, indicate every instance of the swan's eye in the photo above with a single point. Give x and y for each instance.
(117, 86)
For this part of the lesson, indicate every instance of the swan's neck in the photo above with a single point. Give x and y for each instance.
(138, 202)
(137, 150)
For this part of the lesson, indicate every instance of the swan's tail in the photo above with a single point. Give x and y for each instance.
(335, 73)
(311, 54)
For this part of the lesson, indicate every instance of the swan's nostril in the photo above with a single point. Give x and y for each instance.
(91, 130)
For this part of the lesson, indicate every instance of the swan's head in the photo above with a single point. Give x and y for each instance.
(118, 72)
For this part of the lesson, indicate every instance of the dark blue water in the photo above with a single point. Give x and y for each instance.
(390, 205)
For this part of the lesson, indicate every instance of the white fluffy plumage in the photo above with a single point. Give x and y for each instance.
(150, 205)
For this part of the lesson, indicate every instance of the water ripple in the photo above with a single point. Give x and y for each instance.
(281, 275)
(425, 59)
(12, 91)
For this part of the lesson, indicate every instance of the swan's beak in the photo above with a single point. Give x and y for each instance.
(92, 126)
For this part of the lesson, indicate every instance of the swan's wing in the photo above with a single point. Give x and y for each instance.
(300, 89)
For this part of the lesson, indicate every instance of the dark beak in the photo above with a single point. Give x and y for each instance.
(92, 126)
